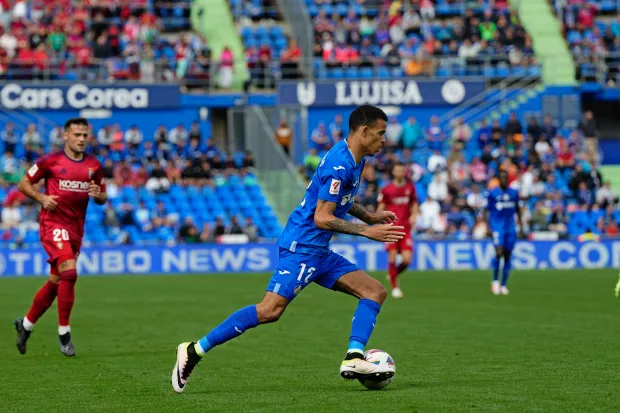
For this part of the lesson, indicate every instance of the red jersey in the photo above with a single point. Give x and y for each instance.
(399, 200)
(70, 181)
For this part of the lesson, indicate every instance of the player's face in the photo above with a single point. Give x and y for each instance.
(503, 180)
(373, 137)
(399, 173)
(75, 138)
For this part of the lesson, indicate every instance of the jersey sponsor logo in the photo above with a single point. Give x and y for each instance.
(401, 200)
(504, 205)
(334, 188)
(33, 170)
(75, 186)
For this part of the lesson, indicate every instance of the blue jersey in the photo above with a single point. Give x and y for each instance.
(502, 206)
(336, 180)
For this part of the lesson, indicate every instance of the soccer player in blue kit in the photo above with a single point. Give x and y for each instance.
(502, 205)
(305, 255)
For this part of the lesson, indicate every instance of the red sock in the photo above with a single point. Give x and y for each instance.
(402, 267)
(393, 273)
(43, 299)
(66, 296)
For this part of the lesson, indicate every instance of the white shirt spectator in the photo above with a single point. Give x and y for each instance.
(177, 135)
(476, 201)
(393, 132)
(31, 137)
(8, 164)
(416, 172)
(11, 216)
(429, 213)
(427, 11)
(438, 189)
(527, 179)
(537, 188)
(468, 49)
(104, 137)
(133, 135)
(56, 136)
(437, 163)
(411, 20)
(8, 42)
(19, 10)
(542, 148)
(606, 193)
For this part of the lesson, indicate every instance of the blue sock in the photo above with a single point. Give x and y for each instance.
(506, 272)
(495, 265)
(230, 328)
(363, 323)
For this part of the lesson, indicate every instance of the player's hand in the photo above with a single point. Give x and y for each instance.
(384, 217)
(385, 233)
(49, 202)
(94, 190)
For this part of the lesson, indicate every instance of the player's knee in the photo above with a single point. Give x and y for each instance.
(378, 293)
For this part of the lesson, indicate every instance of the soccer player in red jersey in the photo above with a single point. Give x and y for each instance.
(399, 196)
(71, 178)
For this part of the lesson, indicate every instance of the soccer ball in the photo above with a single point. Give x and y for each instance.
(381, 358)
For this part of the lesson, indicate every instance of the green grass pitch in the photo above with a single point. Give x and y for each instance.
(553, 345)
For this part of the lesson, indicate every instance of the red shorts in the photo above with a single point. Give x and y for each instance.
(60, 244)
(405, 244)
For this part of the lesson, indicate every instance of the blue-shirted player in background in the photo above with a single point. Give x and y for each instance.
(502, 205)
(305, 255)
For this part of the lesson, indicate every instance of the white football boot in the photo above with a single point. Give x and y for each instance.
(495, 288)
(397, 293)
(356, 367)
(503, 290)
(187, 359)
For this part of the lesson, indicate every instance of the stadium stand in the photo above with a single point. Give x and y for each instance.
(592, 31)
(172, 187)
(553, 168)
(100, 41)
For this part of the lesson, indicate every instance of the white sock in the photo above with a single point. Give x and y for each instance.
(28, 325)
(62, 330)
(355, 350)
(201, 351)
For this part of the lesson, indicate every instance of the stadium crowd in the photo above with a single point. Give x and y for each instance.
(407, 37)
(592, 31)
(151, 182)
(99, 40)
(555, 171)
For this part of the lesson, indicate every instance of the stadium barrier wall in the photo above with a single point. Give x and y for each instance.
(215, 258)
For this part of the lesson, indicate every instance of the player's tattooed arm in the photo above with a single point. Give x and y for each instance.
(324, 218)
(360, 213)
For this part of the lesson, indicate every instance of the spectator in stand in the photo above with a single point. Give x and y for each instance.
(11, 216)
(539, 218)
(475, 200)
(284, 136)
(311, 162)
(438, 189)
(133, 136)
(513, 126)
(56, 137)
(235, 227)
(589, 128)
(32, 137)
(188, 233)
(178, 135)
(206, 235)
(9, 136)
(290, 60)
(478, 170)
(250, 229)
(584, 195)
(393, 133)
(319, 138)
(226, 71)
(437, 162)
(336, 129)
(461, 132)
(411, 134)
(605, 195)
(220, 228)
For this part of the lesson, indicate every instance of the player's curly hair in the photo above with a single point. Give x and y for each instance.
(365, 115)
(76, 121)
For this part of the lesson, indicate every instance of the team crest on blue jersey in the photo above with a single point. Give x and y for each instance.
(297, 290)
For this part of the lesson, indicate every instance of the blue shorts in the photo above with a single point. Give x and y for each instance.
(296, 270)
(504, 239)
